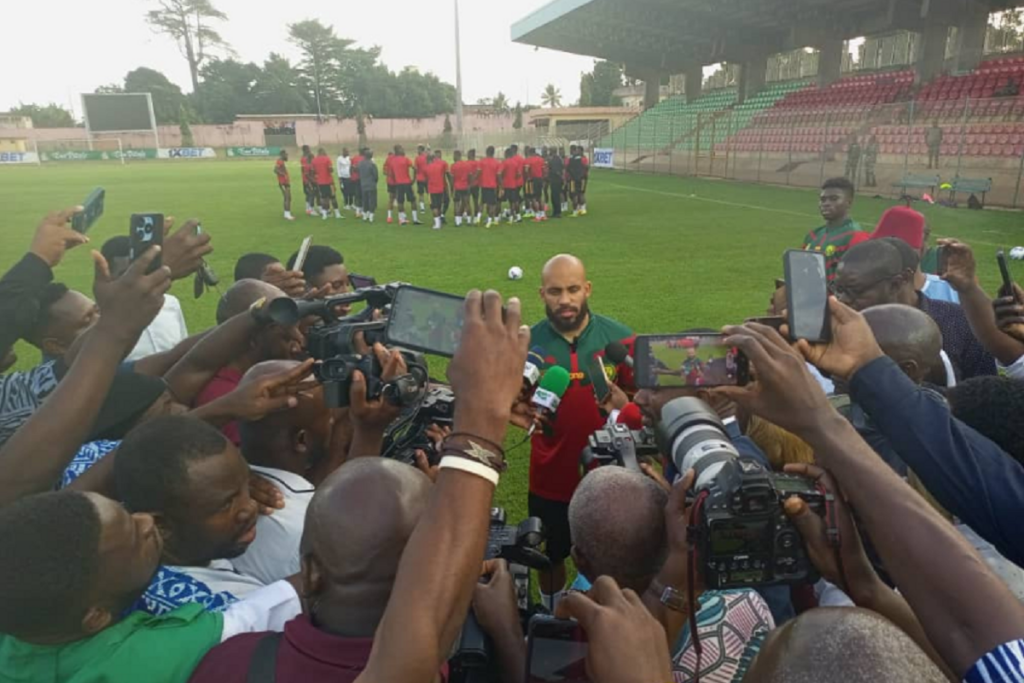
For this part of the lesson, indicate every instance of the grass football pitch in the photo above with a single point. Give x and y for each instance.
(664, 253)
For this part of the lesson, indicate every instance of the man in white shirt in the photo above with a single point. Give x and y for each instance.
(344, 167)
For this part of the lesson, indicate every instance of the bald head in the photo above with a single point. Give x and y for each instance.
(566, 294)
(243, 294)
(357, 526)
(874, 273)
(617, 520)
(841, 645)
(908, 336)
(561, 264)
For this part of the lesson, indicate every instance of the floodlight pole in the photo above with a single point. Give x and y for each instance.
(458, 76)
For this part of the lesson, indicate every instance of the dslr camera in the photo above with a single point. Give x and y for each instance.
(408, 433)
(618, 445)
(742, 536)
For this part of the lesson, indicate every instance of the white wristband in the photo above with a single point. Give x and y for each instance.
(470, 466)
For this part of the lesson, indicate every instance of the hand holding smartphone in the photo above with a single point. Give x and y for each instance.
(146, 230)
(425, 320)
(556, 651)
(92, 209)
(1007, 288)
(599, 379)
(807, 294)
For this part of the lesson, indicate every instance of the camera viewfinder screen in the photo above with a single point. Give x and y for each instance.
(687, 361)
(426, 321)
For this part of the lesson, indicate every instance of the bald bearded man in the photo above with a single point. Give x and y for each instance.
(570, 337)
(357, 526)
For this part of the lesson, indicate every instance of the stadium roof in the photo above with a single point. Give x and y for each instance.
(670, 35)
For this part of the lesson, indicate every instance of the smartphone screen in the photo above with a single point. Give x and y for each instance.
(599, 379)
(300, 258)
(1004, 271)
(147, 229)
(556, 651)
(687, 360)
(425, 320)
(807, 295)
(92, 209)
(361, 281)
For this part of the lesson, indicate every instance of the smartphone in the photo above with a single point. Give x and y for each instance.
(807, 295)
(361, 281)
(941, 260)
(300, 258)
(556, 650)
(92, 209)
(1004, 270)
(773, 321)
(147, 229)
(599, 379)
(688, 360)
(425, 320)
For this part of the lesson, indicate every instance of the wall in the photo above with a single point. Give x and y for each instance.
(235, 135)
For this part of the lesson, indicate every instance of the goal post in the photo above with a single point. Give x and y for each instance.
(82, 149)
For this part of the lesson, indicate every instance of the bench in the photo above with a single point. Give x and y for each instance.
(917, 181)
(971, 186)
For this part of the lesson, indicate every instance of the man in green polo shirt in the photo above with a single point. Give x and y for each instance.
(570, 336)
(840, 232)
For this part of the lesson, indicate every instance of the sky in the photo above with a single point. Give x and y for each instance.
(88, 44)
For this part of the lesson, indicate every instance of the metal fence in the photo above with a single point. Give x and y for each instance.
(917, 147)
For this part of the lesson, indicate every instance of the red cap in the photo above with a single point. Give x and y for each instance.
(631, 416)
(903, 223)
(688, 343)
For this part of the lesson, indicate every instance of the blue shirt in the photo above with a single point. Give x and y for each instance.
(1005, 664)
(969, 357)
(87, 456)
(938, 289)
(966, 473)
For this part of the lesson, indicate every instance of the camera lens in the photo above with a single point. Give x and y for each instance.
(692, 433)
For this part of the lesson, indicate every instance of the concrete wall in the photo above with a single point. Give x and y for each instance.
(235, 135)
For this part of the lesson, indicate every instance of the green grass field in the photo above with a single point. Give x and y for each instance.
(664, 253)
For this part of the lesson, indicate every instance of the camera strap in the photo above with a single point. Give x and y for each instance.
(832, 534)
(691, 580)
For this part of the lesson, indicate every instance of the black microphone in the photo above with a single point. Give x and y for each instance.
(617, 353)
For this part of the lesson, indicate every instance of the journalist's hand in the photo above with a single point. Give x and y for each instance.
(183, 251)
(129, 303)
(784, 392)
(291, 282)
(486, 373)
(54, 236)
(627, 645)
(254, 399)
(494, 602)
(852, 347)
(961, 270)
(267, 496)
(616, 399)
(847, 566)
(1010, 313)
(376, 414)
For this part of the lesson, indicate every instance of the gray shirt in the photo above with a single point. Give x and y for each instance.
(368, 175)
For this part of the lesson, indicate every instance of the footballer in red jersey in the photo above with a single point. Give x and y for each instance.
(308, 186)
(438, 179)
(474, 183)
(389, 179)
(462, 172)
(323, 174)
(284, 182)
(488, 177)
(422, 161)
(404, 170)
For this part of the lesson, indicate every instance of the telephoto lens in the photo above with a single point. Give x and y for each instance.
(693, 435)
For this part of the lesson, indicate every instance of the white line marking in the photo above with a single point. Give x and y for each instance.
(712, 201)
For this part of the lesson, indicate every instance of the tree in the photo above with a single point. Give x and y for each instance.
(517, 122)
(46, 115)
(500, 104)
(188, 22)
(551, 97)
(321, 66)
(186, 129)
(278, 88)
(167, 97)
(597, 87)
(227, 90)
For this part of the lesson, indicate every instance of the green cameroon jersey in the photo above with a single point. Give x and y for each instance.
(834, 243)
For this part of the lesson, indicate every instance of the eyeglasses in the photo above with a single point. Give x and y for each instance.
(850, 294)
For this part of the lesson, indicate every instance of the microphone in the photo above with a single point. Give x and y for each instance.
(618, 354)
(548, 396)
(534, 364)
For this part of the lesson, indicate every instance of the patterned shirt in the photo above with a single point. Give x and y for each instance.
(216, 587)
(21, 394)
(732, 625)
(969, 357)
(1005, 664)
(834, 243)
(87, 456)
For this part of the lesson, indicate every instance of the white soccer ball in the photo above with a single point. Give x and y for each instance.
(1017, 253)
(515, 273)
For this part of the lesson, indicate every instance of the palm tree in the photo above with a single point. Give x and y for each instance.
(500, 104)
(551, 97)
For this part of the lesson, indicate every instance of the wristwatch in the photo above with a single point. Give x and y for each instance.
(669, 596)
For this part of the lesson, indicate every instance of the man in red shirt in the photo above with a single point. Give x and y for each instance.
(422, 161)
(474, 184)
(511, 180)
(284, 182)
(355, 182)
(323, 173)
(402, 169)
(487, 177)
(461, 173)
(390, 180)
(437, 186)
(535, 169)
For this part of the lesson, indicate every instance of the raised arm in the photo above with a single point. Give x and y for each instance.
(432, 591)
(33, 459)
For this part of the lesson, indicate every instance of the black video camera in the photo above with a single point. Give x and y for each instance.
(408, 433)
(519, 545)
(336, 373)
(742, 535)
(618, 445)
